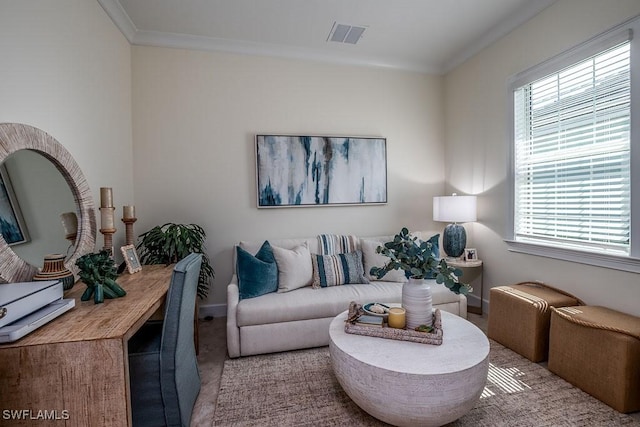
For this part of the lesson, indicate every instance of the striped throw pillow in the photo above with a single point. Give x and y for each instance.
(339, 269)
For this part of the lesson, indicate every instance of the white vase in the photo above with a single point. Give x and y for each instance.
(416, 300)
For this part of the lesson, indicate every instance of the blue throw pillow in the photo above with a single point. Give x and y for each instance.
(257, 275)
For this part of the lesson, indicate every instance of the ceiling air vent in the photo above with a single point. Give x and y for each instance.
(343, 33)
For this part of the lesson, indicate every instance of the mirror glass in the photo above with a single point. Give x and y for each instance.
(41, 194)
(39, 172)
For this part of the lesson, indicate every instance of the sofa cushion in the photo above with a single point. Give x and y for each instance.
(308, 303)
(257, 275)
(294, 267)
(339, 269)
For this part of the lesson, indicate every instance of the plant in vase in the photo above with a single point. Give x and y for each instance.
(420, 262)
(169, 243)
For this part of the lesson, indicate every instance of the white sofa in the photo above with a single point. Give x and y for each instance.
(297, 319)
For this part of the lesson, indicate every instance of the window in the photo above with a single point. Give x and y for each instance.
(572, 155)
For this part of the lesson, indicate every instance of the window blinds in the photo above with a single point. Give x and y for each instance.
(572, 155)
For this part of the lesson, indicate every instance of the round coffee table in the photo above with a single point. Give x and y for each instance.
(404, 383)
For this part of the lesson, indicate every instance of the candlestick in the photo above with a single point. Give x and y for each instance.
(107, 227)
(128, 230)
(106, 197)
(128, 212)
(108, 239)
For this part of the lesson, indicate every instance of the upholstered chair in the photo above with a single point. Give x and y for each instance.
(163, 369)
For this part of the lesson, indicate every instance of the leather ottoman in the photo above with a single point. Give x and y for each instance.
(598, 350)
(519, 317)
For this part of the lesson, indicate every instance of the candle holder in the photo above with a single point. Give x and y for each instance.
(128, 230)
(108, 229)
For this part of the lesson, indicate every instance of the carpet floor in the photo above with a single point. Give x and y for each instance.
(298, 388)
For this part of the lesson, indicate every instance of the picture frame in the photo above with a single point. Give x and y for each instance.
(304, 171)
(12, 224)
(470, 254)
(131, 258)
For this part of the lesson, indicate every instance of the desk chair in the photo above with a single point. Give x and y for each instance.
(163, 369)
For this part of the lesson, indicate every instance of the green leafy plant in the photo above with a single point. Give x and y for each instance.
(98, 272)
(169, 243)
(416, 258)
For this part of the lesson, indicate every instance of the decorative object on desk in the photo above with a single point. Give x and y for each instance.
(12, 225)
(170, 243)
(454, 209)
(419, 261)
(470, 254)
(397, 318)
(54, 269)
(129, 218)
(321, 170)
(131, 258)
(98, 272)
(107, 224)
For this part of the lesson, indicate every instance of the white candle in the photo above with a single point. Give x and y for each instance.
(106, 217)
(106, 197)
(128, 212)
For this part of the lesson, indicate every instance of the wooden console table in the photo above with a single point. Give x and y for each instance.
(76, 368)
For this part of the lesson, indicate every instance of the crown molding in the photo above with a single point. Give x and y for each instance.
(118, 15)
(505, 27)
(187, 41)
(120, 18)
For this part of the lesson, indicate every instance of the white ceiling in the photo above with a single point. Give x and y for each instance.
(430, 36)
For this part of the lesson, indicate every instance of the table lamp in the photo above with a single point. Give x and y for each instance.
(454, 209)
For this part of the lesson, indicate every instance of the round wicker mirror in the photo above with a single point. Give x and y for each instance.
(15, 137)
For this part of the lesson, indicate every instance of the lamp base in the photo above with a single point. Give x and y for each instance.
(454, 240)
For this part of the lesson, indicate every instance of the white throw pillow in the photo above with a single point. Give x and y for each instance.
(294, 267)
(373, 259)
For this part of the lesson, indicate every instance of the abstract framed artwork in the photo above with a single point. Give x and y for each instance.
(14, 230)
(302, 171)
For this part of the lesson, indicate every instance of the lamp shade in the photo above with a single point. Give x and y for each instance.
(454, 208)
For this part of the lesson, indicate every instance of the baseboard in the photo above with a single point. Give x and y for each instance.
(213, 310)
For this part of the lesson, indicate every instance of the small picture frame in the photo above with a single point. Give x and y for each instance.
(131, 258)
(470, 254)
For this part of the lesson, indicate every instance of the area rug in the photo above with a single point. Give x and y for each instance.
(298, 388)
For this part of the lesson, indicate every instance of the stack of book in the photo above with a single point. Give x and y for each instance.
(369, 320)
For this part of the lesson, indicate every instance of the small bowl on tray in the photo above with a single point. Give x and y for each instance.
(367, 309)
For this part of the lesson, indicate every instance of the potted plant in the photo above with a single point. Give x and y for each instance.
(419, 260)
(169, 243)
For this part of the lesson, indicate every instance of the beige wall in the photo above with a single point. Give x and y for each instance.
(66, 69)
(476, 155)
(195, 118)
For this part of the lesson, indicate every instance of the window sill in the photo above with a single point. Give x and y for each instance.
(616, 262)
